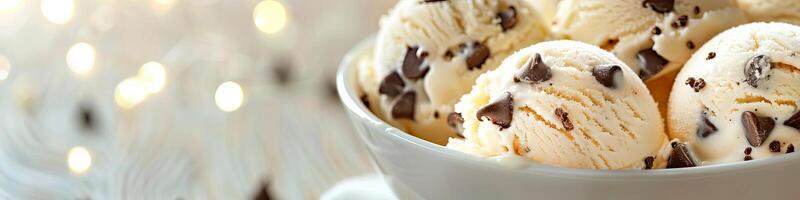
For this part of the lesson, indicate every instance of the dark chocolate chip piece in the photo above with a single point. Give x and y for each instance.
(748, 158)
(793, 121)
(404, 105)
(656, 31)
(756, 69)
(648, 162)
(696, 83)
(683, 20)
(690, 45)
(499, 112)
(790, 148)
(455, 121)
(705, 127)
(392, 85)
(477, 54)
(564, 118)
(696, 10)
(660, 6)
(508, 18)
(650, 62)
(748, 150)
(607, 74)
(365, 100)
(86, 116)
(534, 71)
(436, 114)
(264, 193)
(757, 129)
(414, 65)
(711, 55)
(775, 146)
(680, 157)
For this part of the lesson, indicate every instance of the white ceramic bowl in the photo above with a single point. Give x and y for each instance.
(415, 168)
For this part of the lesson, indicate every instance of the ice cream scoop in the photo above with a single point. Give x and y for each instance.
(737, 97)
(564, 103)
(429, 52)
(772, 10)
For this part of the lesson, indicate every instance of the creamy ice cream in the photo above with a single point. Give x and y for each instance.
(737, 97)
(429, 52)
(564, 103)
(654, 37)
(772, 10)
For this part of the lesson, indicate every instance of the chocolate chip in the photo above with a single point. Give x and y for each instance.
(455, 121)
(696, 10)
(756, 69)
(711, 55)
(674, 24)
(757, 129)
(790, 148)
(607, 74)
(775, 146)
(477, 54)
(705, 127)
(648, 162)
(748, 158)
(690, 44)
(564, 118)
(500, 112)
(404, 105)
(436, 114)
(656, 31)
(365, 100)
(748, 150)
(696, 83)
(680, 157)
(660, 6)
(683, 20)
(263, 193)
(392, 85)
(534, 71)
(414, 65)
(650, 62)
(508, 18)
(86, 116)
(793, 121)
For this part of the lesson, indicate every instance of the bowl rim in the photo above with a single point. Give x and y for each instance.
(348, 94)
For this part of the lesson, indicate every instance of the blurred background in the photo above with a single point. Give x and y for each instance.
(177, 99)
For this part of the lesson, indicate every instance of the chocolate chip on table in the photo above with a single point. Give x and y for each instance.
(690, 45)
(660, 6)
(680, 157)
(790, 148)
(648, 162)
(756, 69)
(404, 105)
(477, 54)
(793, 121)
(711, 55)
(696, 83)
(508, 18)
(650, 63)
(705, 127)
(391, 85)
(656, 31)
(748, 150)
(86, 116)
(456, 121)
(534, 71)
(775, 146)
(499, 112)
(414, 65)
(748, 158)
(757, 128)
(564, 118)
(605, 74)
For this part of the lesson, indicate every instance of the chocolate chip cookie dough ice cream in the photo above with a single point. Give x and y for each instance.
(653, 37)
(429, 52)
(772, 10)
(737, 98)
(567, 104)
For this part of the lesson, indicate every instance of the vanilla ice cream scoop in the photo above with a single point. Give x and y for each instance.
(772, 10)
(564, 103)
(737, 97)
(429, 52)
(653, 37)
